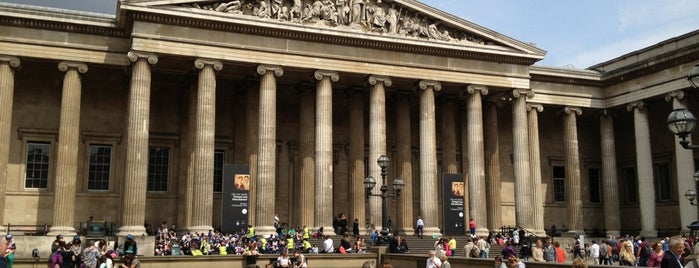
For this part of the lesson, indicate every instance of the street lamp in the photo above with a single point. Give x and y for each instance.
(691, 195)
(369, 184)
(681, 122)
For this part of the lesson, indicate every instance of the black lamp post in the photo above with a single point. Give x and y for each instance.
(682, 122)
(369, 184)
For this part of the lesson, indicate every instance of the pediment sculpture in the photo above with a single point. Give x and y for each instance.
(369, 16)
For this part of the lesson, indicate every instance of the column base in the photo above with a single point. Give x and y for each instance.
(573, 233)
(615, 233)
(200, 229)
(539, 233)
(482, 232)
(648, 233)
(431, 231)
(406, 231)
(329, 231)
(62, 230)
(132, 230)
(265, 231)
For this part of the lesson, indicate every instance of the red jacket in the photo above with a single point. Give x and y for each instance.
(560, 255)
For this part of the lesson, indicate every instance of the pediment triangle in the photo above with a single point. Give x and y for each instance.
(402, 19)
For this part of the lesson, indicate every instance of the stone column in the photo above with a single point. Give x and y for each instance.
(266, 161)
(7, 88)
(404, 164)
(448, 136)
(612, 222)
(492, 164)
(644, 168)
(307, 202)
(476, 165)
(356, 158)
(520, 148)
(684, 166)
(133, 197)
(377, 140)
(572, 165)
(324, 149)
(204, 145)
(68, 144)
(252, 121)
(428, 157)
(535, 169)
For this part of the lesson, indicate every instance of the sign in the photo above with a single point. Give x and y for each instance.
(453, 204)
(235, 198)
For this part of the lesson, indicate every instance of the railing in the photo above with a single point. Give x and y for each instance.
(24, 229)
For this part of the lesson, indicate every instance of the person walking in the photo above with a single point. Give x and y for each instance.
(671, 258)
(420, 227)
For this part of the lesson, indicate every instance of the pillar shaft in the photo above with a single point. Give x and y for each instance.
(448, 137)
(428, 157)
(266, 161)
(356, 158)
(205, 143)
(377, 140)
(307, 128)
(572, 166)
(492, 163)
(476, 164)
(7, 88)
(644, 168)
(612, 222)
(684, 166)
(404, 165)
(535, 169)
(67, 163)
(520, 135)
(187, 156)
(136, 172)
(324, 148)
(252, 119)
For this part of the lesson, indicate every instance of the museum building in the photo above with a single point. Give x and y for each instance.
(131, 119)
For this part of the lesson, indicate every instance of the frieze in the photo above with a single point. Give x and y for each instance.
(368, 16)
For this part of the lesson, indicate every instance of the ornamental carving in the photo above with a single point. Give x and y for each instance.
(368, 16)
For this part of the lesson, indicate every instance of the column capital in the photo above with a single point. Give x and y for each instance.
(320, 74)
(136, 55)
(263, 69)
(424, 84)
(517, 93)
(640, 105)
(200, 63)
(535, 107)
(568, 110)
(472, 89)
(13, 61)
(374, 79)
(605, 113)
(677, 94)
(67, 65)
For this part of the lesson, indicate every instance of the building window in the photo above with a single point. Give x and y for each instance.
(628, 176)
(99, 167)
(559, 184)
(37, 171)
(218, 170)
(593, 181)
(158, 168)
(662, 178)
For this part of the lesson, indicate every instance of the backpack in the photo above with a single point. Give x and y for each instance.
(603, 251)
(475, 252)
(646, 251)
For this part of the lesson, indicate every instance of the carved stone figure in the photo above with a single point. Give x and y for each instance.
(357, 11)
(343, 12)
(262, 9)
(296, 11)
(276, 8)
(230, 7)
(378, 16)
(392, 19)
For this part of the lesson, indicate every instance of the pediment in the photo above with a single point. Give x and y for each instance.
(395, 20)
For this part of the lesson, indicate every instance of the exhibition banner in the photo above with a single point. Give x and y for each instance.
(235, 198)
(453, 204)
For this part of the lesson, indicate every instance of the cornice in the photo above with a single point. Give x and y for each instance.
(59, 20)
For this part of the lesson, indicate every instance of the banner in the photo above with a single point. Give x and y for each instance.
(235, 198)
(453, 204)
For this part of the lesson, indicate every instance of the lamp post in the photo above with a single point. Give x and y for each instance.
(369, 184)
(682, 122)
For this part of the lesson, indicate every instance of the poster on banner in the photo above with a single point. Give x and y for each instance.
(235, 198)
(453, 200)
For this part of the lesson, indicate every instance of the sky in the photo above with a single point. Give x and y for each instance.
(574, 33)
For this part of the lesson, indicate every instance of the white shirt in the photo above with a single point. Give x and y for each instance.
(420, 222)
(328, 245)
(594, 251)
(433, 263)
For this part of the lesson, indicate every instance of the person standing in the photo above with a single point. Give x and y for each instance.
(355, 227)
(301, 261)
(671, 258)
(420, 227)
(560, 253)
(250, 255)
(594, 252)
(472, 227)
(549, 251)
(483, 246)
(433, 261)
(538, 251)
(657, 255)
(445, 262)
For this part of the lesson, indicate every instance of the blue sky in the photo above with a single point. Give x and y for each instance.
(575, 33)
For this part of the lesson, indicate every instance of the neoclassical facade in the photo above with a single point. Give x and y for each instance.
(130, 119)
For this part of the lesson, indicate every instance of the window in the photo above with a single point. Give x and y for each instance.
(628, 175)
(218, 170)
(158, 168)
(99, 167)
(593, 181)
(662, 179)
(559, 184)
(37, 171)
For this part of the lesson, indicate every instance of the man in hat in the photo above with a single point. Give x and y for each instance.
(130, 246)
(10, 242)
